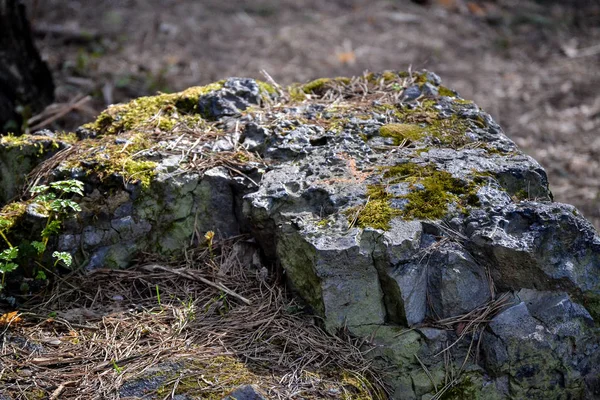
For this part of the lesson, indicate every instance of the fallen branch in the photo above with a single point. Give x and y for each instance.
(54, 115)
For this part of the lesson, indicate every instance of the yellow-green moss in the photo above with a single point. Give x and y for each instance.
(377, 212)
(296, 93)
(216, 377)
(401, 132)
(432, 191)
(266, 88)
(440, 190)
(359, 388)
(226, 374)
(389, 76)
(465, 389)
(319, 86)
(9, 214)
(13, 141)
(316, 85)
(67, 137)
(129, 169)
(449, 131)
(195, 92)
(13, 211)
(323, 223)
(105, 157)
(444, 91)
(36, 141)
(34, 394)
(386, 77)
(143, 171)
(420, 78)
(163, 111)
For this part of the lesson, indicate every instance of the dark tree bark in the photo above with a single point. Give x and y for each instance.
(26, 85)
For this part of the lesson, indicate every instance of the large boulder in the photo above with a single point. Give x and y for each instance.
(396, 209)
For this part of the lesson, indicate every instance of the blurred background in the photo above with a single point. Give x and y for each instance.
(533, 65)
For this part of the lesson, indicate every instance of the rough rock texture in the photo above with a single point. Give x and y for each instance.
(388, 201)
(246, 392)
(19, 156)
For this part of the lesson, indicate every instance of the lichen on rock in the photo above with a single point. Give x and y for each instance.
(396, 210)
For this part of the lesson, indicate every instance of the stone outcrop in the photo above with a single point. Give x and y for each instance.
(396, 209)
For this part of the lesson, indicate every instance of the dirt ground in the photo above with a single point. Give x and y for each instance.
(533, 65)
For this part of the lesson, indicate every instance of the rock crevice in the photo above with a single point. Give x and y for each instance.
(397, 213)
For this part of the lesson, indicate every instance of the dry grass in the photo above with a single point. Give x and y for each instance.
(469, 326)
(92, 334)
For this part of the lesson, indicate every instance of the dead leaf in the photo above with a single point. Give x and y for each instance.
(10, 318)
(346, 57)
(476, 9)
(450, 4)
(52, 341)
(460, 328)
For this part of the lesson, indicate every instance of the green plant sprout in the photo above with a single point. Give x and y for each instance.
(5, 224)
(158, 296)
(116, 367)
(6, 264)
(64, 257)
(50, 201)
(209, 236)
(56, 207)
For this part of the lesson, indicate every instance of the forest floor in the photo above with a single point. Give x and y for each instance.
(198, 327)
(534, 66)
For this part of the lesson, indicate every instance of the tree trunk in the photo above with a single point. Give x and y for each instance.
(26, 85)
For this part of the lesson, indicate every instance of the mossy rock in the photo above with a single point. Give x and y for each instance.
(352, 188)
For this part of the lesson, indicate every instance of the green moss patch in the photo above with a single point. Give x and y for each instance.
(163, 111)
(216, 377)
(139, 123)
(387, 77)
(448, 131)
(212, 378)
(402, 132)
(41, 143)
(317, 87)
(9, 215)
(105, 157)
(464, 389)
(320, 86)
(266, 88)
(12, 212)
(432, 192)
(11, 140)
(377, 212)
(444, 91)
(426, 121)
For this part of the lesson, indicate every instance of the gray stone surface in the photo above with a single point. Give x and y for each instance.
(246, 392)
(236, 95)
(389, 211)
